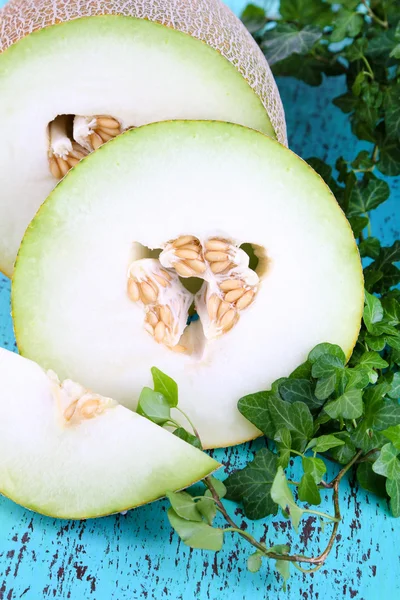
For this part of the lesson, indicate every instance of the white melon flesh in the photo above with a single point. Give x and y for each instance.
(139, 62)
(83, 467)
(147, 187)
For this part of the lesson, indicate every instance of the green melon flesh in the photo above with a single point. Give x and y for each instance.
(109, 463)
(135, 70)
(152, 185)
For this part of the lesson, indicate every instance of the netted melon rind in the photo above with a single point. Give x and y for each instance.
(207, 20)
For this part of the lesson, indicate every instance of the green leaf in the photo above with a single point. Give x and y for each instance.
(308, 490)
(387, 464)
(356, 50)
(324, 443)
(294, 416)
(306, 68)
(255, 407)
(154, 406)
(286, 39)
(380, 47)
(347, 24)
(253, 18)
(373, 311)
(363, 161)
(394, 391)
(218, 485)
(184, 505)
(347, 406)
(370, 247)
(346, 102)
(195, 534)
(302, 372)
(391, 310)
(357, 378)
(326, 366)
(206, 507)
(306, 12)
(281, 495)
(344, 454)
(386, 415)
(369, 480)
(392, 110)
(252, 485)
(327, 349)
(283, 568)
(358, 224)
(166, 386)
(389, 158)
(314, 467)
(299, 390)
(283, 441)
(325, 387)
(372, 360)
(393, 434)
(254, 562)
(191, 439)
(365, 198)
(393, 490)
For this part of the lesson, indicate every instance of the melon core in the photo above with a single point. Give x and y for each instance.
(73, 75)
(153, 228)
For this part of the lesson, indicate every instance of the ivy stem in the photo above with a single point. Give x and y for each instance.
(320, 514)
(196, 433)
(373, 16)
(294, 558)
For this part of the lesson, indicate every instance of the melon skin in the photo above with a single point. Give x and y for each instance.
(70, 307)
(210, 21)
(110, 463)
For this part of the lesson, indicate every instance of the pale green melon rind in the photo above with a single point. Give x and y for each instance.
(51, 215)
(72, 33)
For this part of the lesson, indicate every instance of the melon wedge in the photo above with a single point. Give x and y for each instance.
(73, 74)
(67, 452)
(100, 290)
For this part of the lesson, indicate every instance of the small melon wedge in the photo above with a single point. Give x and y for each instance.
(69, 453)
(78, 72)
(89, 303)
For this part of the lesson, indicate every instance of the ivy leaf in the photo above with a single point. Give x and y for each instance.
(369, 480)
(387, 464)
(286, 39)
(306, 12)
(389, 158)
(281, 495)
(254, 562)
(184, 505)
(393, 434)
(283, 441)
(300, 390)
(252, 485)
(392, 110)
(255, 408)
(373, 311)
(154, 406)
(347, 406)
(370, 247)
(306, 68)
(394, 391)
(188, 437)
(206, 507)
(218, 485)
(195, 534)
(327, 349)
(357, 378)
(372, 360)
(364, 198)
(393, 490)
(348, 24)
(302, 372)
(358, 224)
(324, 443)
(283, 568)
(344, 454)
(166, 386)
(314, 467)
(325, 387)
(326, 366)
(295, 417)
(253, 18)
(308, 490)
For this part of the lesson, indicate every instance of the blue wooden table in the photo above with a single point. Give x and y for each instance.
(137, 555)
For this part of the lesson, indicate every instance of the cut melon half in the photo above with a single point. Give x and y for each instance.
(156, 225)
(75, 74)
(68, 452)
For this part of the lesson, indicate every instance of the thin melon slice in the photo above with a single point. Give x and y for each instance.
(74, 74)
(95, 300)
(68, 452)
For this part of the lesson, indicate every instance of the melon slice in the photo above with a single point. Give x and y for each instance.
(68, 452)
(100, 290)
(75, 74)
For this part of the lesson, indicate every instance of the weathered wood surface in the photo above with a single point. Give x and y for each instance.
(137, 556)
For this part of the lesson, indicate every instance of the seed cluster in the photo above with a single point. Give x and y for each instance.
(85, 410)
(103, 128)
